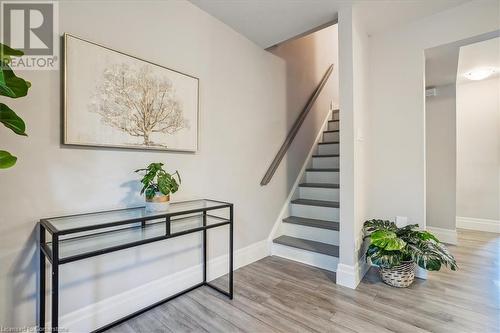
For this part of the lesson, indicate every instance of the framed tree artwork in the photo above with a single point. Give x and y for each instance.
(112, 99)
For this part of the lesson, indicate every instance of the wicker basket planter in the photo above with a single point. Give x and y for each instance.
(401, 276)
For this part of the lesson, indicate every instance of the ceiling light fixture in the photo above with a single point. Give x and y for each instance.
(480, 73)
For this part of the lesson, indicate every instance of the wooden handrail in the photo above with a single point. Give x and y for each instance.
(295, 129)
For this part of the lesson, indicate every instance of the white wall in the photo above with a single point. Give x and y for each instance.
(397, 107)
(440, 139)
(354, 118)
(307, 59)
(478, 149)
(243, 122)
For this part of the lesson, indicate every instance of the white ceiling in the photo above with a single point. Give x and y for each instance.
(441, 62)
(477, 55)
(269, 22)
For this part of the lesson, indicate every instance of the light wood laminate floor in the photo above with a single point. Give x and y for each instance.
(278, 295)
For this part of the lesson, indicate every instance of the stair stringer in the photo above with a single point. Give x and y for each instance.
(308, 161)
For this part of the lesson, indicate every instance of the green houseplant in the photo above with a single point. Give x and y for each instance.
(398, 250)
(13, 87)
(157, 185)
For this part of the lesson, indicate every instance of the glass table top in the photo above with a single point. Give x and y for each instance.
(67, 223)
(81, 245)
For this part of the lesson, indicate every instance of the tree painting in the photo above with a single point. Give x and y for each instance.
(139, 103)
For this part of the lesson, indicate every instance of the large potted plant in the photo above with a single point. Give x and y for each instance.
(397, 251)
(157, 185)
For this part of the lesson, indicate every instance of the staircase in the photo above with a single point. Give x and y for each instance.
(310, 232)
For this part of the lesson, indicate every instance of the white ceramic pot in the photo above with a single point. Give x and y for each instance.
(159, 203)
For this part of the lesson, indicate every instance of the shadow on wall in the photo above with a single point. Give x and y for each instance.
(132, 197)
(25, 273)
(307, 60)
(22, 275)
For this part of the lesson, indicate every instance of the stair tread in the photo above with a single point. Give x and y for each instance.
(323, 170)
(308, 245)
(320, 203)
(334, 120)
(326, 155)
(331, 131)
(328, 143)
(320, 185)
(322, 224)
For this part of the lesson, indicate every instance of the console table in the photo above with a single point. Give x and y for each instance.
(83, 236)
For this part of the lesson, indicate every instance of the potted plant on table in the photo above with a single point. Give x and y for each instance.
(158, 184)
(397, 251)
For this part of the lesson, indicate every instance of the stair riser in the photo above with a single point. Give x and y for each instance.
(309, 258)
(333, 125)
(315, 193)
(323, 177)
(315, 212)
(331, 136)
(336, 116)
(325, 162)
(332, 148)
(310, 233)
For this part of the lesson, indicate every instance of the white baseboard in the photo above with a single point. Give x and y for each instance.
(351, 275)
(444, 235)
(478, 224)
(110, 309)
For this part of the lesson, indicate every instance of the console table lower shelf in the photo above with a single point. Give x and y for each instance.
(83, 236)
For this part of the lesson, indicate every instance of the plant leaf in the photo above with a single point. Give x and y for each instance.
(157, 179)
(150, 192)
(6, 159)
(425, 235)
(164, 184)
(11, 120)
(6, 52)
(430, 255)
(383, 258)
(372, 225)
(11, 85)
(387, 240)
(390, 245)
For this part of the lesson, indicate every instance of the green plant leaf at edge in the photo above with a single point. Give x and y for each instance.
(6, 159)
(11, 120)
(6, 52)
(11, 85)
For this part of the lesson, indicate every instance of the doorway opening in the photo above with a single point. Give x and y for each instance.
(462, 121)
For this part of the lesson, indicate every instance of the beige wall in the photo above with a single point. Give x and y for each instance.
(478, 149)
(440, 140)
(244, 119)
(307, 59)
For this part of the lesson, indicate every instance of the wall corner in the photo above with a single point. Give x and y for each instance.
(351, 275)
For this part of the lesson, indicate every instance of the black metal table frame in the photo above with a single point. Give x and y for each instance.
(53, 257)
